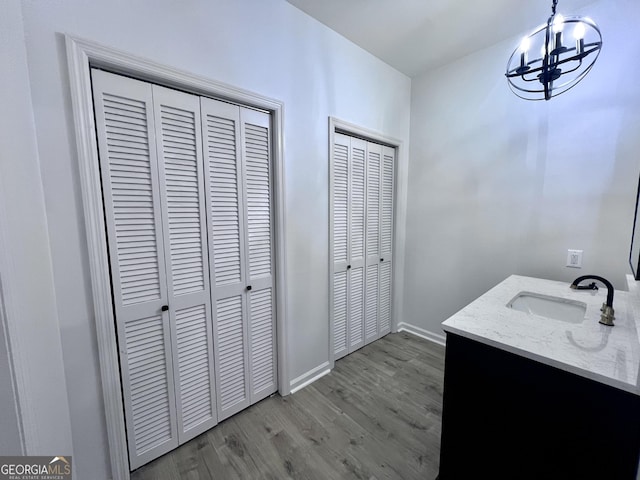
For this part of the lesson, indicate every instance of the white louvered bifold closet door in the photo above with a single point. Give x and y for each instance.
(349, 160)
(340, 243)
(187, 187)
(380, 168)
(356, 270)
(386, 238)
(258, 200)
(180, 162)
(128, 161)
(238, 179)
(362, 250)
(374, 161)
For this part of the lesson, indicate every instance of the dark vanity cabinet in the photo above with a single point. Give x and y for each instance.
(634, 254)
(508, 417)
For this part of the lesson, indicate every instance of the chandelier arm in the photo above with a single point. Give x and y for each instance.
(572, 84)
(593, 44)
(573, 69)
(575, 57)
(528, 72)
(586, 53)
(516, 74)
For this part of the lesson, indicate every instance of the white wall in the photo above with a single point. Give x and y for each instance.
(499, 185)
(10, 440)
(266, 46)
(28, 316)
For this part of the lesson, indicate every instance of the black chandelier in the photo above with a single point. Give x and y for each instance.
(556, 65)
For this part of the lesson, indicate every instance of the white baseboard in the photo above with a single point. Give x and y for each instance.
(422, 333)
(308, 378)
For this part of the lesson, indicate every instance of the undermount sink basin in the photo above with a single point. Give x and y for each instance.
(549, 307)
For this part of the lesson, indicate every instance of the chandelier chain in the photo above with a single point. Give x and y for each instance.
(553, 7)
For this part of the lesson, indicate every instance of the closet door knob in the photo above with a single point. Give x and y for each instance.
(248, 288)
(382, 259)
(165, 308)
(348, 267)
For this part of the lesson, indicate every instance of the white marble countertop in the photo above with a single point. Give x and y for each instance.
(609, 355)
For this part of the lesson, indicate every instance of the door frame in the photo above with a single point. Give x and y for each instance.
(83, 54)
(399, 208)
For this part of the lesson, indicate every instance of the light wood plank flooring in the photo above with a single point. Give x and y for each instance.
(376, 415)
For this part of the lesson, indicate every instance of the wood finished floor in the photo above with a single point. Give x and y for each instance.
(376, 415)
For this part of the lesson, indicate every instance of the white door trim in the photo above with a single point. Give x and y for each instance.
(81, 54)
(13, 386)
(399, 212)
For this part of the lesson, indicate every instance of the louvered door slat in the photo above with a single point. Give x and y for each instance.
(181, 170)
(141, 184)
(373, 200)
(356, 308)
(223, 191)
(258, 199)
(340, 297)
(262, 341)
(147, 436)
(125, 128)
(231, 363)
(371, 301)
(194, 360)
(386, 227)
(183, 198)
(340, 202)
(385, 298)
(357, 217)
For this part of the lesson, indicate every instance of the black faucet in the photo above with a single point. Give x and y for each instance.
(607, 316)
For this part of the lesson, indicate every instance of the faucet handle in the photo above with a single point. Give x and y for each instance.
(608, 316)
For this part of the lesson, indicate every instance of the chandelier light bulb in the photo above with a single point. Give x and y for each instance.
(558, 23)
(524, 54)
(579, 31)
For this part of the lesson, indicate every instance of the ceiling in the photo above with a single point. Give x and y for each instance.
(418, 35)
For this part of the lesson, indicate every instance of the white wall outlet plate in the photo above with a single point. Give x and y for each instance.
(574, 258)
